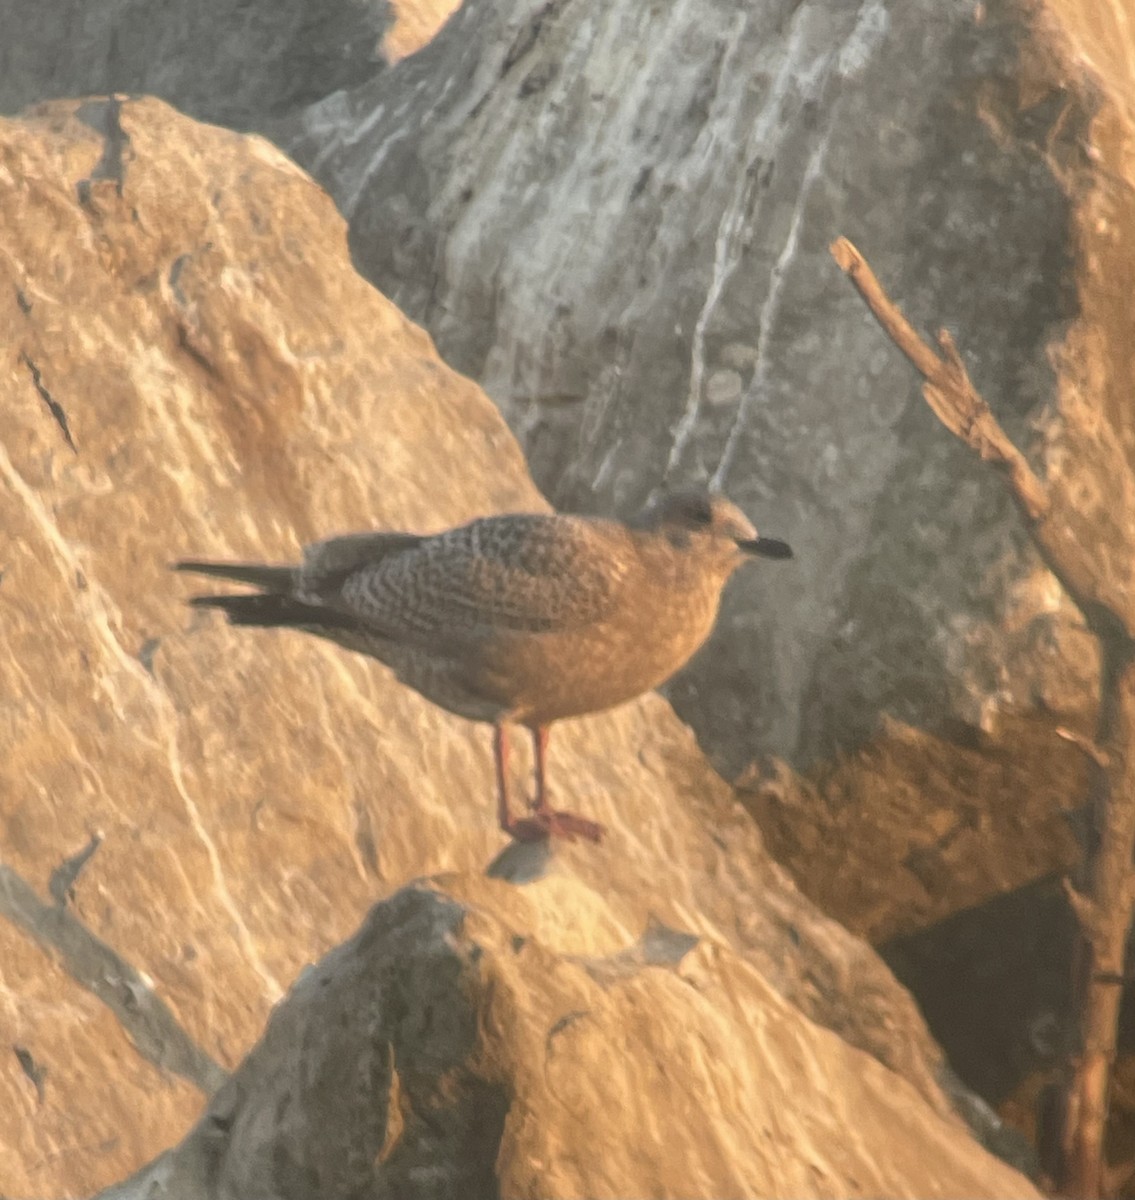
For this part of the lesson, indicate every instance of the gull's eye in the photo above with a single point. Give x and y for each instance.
(698, 510)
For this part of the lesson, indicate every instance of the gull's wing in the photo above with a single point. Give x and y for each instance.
(519, 573)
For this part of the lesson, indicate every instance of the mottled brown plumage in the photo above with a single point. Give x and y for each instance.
(522, 618)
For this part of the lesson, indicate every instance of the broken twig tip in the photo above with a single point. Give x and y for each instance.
(845, 254)
(1082, 906)
(1084, 744)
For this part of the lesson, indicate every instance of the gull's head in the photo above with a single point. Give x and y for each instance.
(708, 521)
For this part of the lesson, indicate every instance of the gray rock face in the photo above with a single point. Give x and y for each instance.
(234, 64)
(617, 220)
(377, 1031)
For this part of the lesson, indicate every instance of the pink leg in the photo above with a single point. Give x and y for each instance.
(545, 821)
(539, 753)
(500, 757)
(553, 822)
(523, 829)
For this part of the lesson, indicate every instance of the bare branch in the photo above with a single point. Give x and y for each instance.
(948, 389)
(894, 324)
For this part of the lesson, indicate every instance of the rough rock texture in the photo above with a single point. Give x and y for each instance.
(237, 64)
(190, 813)
(902, 834)
(448, 1050)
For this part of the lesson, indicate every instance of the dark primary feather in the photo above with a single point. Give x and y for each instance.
(269, 578)
(270, 609)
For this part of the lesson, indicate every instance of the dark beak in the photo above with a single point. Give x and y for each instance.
(765, 547)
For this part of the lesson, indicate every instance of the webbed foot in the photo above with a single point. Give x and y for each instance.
(552, 823)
